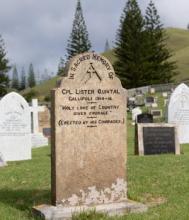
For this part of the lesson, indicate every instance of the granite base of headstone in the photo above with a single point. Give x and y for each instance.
(157, 138)
(88, 142)
(49, 212)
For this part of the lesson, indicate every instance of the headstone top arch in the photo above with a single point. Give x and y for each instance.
(89, 68)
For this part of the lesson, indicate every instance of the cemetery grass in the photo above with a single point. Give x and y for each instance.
(161, 182)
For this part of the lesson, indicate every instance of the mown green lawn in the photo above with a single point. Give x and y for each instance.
(161, 182)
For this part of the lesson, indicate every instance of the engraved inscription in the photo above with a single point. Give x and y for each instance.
(158, 140)
(87, 107)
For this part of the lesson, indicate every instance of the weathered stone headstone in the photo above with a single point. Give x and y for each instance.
(89, 126)
(136, 111)
(157, 139)
(178, 111)
(15, 128)
(38, 139)
(145, 118)
(89, 139)
(2, 161)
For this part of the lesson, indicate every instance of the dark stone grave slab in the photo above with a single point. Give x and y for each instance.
(157, 138)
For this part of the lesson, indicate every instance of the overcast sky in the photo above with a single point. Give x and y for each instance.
(37, 30)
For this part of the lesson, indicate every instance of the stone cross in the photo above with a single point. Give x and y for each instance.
(35, 109)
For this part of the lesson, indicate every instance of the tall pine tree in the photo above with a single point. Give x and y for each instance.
(23, 79)
(4, 68)
(15, 79)
(159, 69)
(31, 76)
(79, 40)
(130, 46)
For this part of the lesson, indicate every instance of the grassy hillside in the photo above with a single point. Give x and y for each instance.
(178, 42)
(43, 90)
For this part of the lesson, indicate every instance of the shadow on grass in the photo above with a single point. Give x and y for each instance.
(24, 200)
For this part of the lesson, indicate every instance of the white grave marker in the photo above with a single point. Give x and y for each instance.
(178, 111)
(136, 111)
(38, 139)
(15, 128)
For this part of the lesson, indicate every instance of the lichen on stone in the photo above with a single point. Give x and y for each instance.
(117, 192)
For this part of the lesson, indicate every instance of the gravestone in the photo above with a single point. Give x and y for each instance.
(2, 161)
(157, 139)
(136, 111)
(130, 105)
(149, 100)
(164, 94)
(88, 140)
(38, 138)
(157, 113)
(15, 128)
(154, 105)
(178, 111)
(145, 118)
(152, 90)
(139, 100)
(47, 132)
(141, 118)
